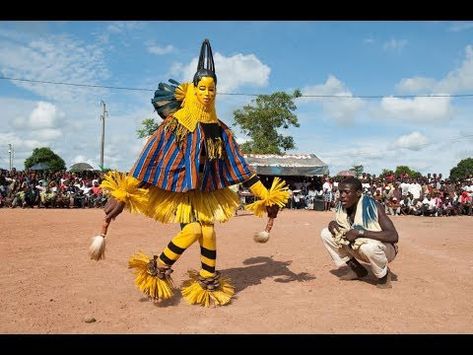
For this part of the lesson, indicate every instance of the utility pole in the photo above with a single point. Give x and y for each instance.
(11, 152)
(102, 142)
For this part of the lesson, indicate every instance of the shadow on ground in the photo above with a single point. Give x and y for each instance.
(260, 268)
(370, 278)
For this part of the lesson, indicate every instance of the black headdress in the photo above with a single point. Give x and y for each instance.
(206, 66)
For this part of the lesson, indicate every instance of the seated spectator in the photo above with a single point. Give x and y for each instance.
(428, 208)
(394, 207)
(465, 203)
(406, 205)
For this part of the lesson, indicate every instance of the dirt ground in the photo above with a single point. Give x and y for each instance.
(288, 285)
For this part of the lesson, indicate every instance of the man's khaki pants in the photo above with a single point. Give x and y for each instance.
(374, 252)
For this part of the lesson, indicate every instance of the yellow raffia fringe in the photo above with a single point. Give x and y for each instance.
(180, 93)
(193, 111)
(193, 293)
(278, 194)
(151, 286)
(186, 207)
(179, 130)
(125, 188)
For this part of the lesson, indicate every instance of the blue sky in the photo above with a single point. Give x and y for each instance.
(400, 63)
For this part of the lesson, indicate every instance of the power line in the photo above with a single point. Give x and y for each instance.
(72, 84)
(387, 96)
(346, 96)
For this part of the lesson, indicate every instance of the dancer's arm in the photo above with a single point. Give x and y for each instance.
(270, 200)
(124, 191)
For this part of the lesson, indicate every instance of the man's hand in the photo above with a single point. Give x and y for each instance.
(272, 211)
(352, 234)
(113, 208)
(333, 227)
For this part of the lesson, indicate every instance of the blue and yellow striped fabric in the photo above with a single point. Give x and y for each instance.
(165, 164)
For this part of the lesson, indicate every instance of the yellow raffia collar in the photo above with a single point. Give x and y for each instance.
(193, 111)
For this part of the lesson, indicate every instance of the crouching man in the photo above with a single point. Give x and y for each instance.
(361, 231)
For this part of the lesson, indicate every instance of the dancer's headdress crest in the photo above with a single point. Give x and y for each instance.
(206, 65)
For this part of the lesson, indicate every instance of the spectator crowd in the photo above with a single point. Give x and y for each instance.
(430, 195)
(44, 189)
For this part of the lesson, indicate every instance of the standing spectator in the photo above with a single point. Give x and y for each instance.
(327, 191)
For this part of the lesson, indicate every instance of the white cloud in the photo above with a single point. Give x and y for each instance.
(43, 122)
(357, 154)
(412, 141)
(418, 109)
(457, 80)
(460, 26)
(121, 31)
(48, 134)
(159, 50)
(36, 124)
(416, 84)
(460, 79)
(368, 40)
(395, 44)
(22, 148)
(45, 115)
(232, 72)
(56, 58)
(342, 109)
(124, 26)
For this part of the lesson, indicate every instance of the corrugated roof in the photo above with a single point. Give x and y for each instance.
(289, 164)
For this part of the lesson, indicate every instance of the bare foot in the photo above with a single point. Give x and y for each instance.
(349, 276)
(385, 281)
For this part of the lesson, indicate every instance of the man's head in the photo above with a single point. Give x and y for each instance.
(350, 191)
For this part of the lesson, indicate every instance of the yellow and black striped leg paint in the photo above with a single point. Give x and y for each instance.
(207, 287)
(153, 274)
(183, 240)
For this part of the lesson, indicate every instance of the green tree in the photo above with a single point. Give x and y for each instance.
(45, 155)
(261, 119)
(403, 170)
(149, 125)
(357, 169)
(386, 172)
(462, 170)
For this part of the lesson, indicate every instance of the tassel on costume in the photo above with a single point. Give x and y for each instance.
(214, 148)
(278, 194)
(97, 247)
(153, 281)
(126, 189)
(180, 131)
(263, 237)
(215, 290)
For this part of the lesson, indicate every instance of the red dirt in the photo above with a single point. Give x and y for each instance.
(288, 285)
